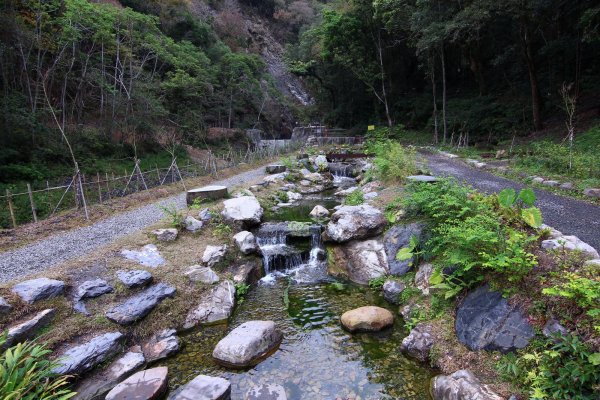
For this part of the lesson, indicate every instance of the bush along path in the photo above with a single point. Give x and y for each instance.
(568, 215)
(59, 248)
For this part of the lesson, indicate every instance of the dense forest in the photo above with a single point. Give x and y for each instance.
(119, 79)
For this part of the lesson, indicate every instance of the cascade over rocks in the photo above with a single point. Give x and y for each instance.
(150, 384)
(418, 343)
(367, 319)
(140, 305)
(28, 329)
(204, 387)
(215, 306)
(355, 222)
(267, 391)
(246, 242)
(397, 237)
(38, 289)
(136, 278)
(245, 211)
(358, 261)
(200, 274)
(486, 321)
(461, 385)
(248, 344)
(162, 345)
(81, 359)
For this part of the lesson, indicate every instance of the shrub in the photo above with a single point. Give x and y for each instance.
(26, 374)
(355, 198)
(392, 163)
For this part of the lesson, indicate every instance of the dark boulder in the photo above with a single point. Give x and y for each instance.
(397, 237)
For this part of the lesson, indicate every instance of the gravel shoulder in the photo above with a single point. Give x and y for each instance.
(570, 216)
(51, 251)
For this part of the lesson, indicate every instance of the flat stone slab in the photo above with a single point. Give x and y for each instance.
(135, 278)
(266, 392)
(248, 344)
(200, 274)
(140, 305)
(150, 384)
(215, 306)
(38, 289)
(212, 192)
(148, 256)
(422, 178)
(81, 359)
(88, 290)
(162, 345)
(28, 329)
(367, 319)
(204, 387)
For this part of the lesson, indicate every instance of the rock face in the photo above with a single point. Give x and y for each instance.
(162, 345)
(27, 330)
(319, 212)
(136, 278)
(39, 289)
(422, 277)
(150, 384)
(248, 273)
(570, 243)
(83, 358)
(165, 235)
(461, 385)
(321, 163)
(392, 290)
(248, 344)
(200, 274)
(243, 210)
(367, 319)
(148, 256)
(397, 237)
(485, 321)
(204, 387)
(266, 392)
(99, 384)
(418, 343)
(355, 222)
(245, 241)
(140, 305)
(192, 224)
(358, 261)
(4, 306)
(215, 306)
(213, 255)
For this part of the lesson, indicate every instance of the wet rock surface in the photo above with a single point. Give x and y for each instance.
(81, 359)
(140, 305)
(397, 237)
(248, 273)
(418, 343)
(200, 274)
(358, 261)
(244, 210)
(203, 387)
(266, 392)
(461, 385)
(38, 289)
(486, 321)
(150, 384)
(27, 330)
(367, 319)
(215, 306)
(248, 344)
(136, 278)
(148, 256)
(355, 222)
(162, 345)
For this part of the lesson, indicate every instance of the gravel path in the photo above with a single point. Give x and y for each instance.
(59, 248)
(570, 216)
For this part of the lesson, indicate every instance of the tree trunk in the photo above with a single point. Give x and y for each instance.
(443, 58)
(477, 69)
(433, 92)
(536, 98)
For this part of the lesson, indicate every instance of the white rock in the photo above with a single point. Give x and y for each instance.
(165, 235)
(275, 177)
(198, 273)
(355, 222)
(248, 344)
(346, 192)
(570, 243)
(319, 212)
(242, 210)
(293, 196)
(148, 256)
(204, 387)
(245, 241)
(213, 254)
(461, 385)
(192, 224)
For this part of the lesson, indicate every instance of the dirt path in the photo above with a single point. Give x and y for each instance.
(570, 216)
(45, 253)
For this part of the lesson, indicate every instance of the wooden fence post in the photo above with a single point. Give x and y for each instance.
(107, 186)
(99, 189)
(32, 203)
(10, 208)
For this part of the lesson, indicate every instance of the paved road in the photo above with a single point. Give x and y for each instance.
(570, 216)
(59, 248)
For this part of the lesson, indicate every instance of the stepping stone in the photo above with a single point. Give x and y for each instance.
(266, 392)
(246, 242)
(275, 168)
(206, 193)
(200, 274)
(5, 307)
(39, 289)
(213, 254)
(28, 329)
(140, 305)
(367, 319)
(101, 383)
(133, 279)
(81, 359)
(162, 345)
(422, 178)
(215, 306)
(551, 183)
(165, 235)
(248, 344)
(92, 288)
(204, 387)
(150, 384)
(148, 256)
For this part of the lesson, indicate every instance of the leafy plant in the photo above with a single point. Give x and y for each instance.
(175, 216)
(337, 286)
(392, 162)
(410, 252)
(282, 196)
(197, 203)
(355, 198)
(222, 230)
(377, 283)
(26, 374)
(241, 289)
(512, 205)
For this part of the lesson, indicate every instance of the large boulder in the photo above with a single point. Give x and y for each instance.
(38, 289)
(392, 290)
(367, 319)
(486, 321)
(245, 211)
(358, 261)
(140, 305)
(150, 384)
(28, 329)
(246, 242)
(461, 385)
(418, 343)
(213, 255)
(355, 222)
(136, 278)
(81, 359)
(161, 345)
(397, 237)
(204, 387)
(215, 306)
(248, 344)
(266, 391)
(200, 274)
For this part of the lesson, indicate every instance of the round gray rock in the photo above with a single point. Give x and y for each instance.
(136, 278)
(392, 290)
(418, 343)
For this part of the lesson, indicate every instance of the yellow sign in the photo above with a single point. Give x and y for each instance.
(371, 127)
